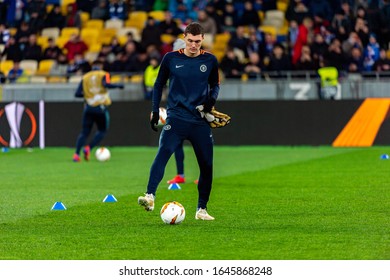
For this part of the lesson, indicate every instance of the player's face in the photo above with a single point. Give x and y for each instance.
(193, 43)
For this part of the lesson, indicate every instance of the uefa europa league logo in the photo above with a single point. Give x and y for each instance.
(14, 113)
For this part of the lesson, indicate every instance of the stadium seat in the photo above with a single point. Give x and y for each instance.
(43, 42)
(281, 5)
(90, 35)
(68, 31)
(274, 18)
(29, 65)
(114, 23)
(91, 56)
(61, 41)
(6, 65)
(167, 38)
(44, 66)
(84, 18)
(95, 24)
(137, 19)
(157, 15)
(106, 35)
(53, 32)
(95, 47)
(64, 5)
(269, 29)
(2, 47)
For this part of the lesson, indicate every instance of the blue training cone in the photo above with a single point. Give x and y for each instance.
(58, 206)
(110, 198)
(384, 156)
(174, 186)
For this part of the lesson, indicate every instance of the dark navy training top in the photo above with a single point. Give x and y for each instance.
(192, 80)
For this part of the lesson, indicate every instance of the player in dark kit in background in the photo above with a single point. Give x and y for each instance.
(193, 80)
(93, 88)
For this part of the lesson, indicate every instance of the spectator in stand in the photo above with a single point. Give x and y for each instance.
(207, 22)
(356, 61)
(254, 66)
(22, 34)
(362, 31)
(130, 56)
(182, 9)
(35, 6)
(55, 18)
(3, 13)
(86, 5)
(230, 65)
(15, 12)
(52, 51)
(169, 25)
(383, 63)
(151, 34)
(353, 41)
(216, 15)
(238, 40)
(115, 46)
(254, 43)
(292, 35)
(106, 56)
(4, 34)
(15, 73)
(36, 23)
(318, 48)
(117, 9)
(75, 46)
(250, 16)
(306, 62)
(119, 64)
(78, 65)
(267, 45)
(341, 25)
(60, 67)
(130, 38)
(297, 11)
(32, 50)
(304, 37)
(230, 18)
(279, 61)
(321, 7)
(100, 11)
(73, 18)
(12, 50)
(335, 56)
(371, 53)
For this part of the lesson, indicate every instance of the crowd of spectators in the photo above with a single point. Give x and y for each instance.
(351, 35)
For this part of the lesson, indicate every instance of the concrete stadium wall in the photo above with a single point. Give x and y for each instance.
(312, 122)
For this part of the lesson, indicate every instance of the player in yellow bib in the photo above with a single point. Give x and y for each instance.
(93, 88)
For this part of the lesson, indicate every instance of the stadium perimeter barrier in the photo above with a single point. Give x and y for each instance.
(264, 112)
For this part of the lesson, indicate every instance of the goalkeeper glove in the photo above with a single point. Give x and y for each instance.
(154, 120)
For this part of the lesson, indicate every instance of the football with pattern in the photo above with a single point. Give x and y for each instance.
(163, 116)
(172, 213)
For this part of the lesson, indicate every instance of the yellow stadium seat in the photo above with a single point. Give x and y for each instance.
(281, 5)
(43, 41)
(123, 32)
(64, 5)
(269, 29)
(61, 41)
(91, 56)
(6, 65)
(157, 15)
(96, 47)
(68, 31)
(106, 35)
(84, 18)
(38, 80)
(167, 38)
(90, 35)
(56, 79)
(44, 66)
(94, 23)
(137, 19)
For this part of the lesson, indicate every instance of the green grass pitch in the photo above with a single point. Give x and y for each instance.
(270, 203)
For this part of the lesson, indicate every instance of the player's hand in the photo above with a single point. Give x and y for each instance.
(208, 105)
(154, 120)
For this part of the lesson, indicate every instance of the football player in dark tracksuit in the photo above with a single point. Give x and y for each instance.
(193, 80)
(93, 88)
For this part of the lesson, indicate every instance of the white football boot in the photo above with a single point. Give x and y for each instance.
(202, 214)
(147, 201)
